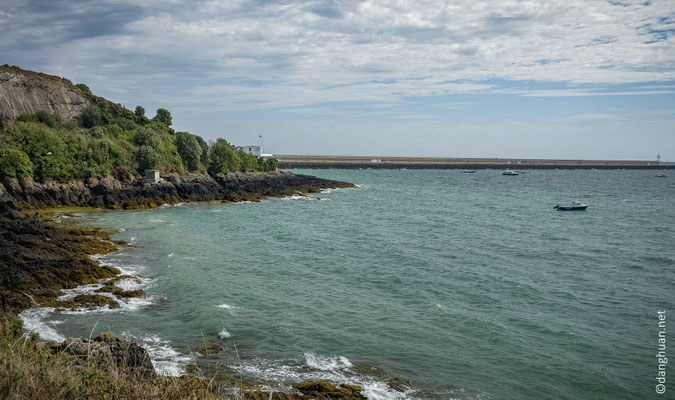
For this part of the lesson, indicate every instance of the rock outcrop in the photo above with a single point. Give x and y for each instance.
(23, 92)
(112, 193)
(109, 352)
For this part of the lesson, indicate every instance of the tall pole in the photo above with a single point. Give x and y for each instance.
(261, 145)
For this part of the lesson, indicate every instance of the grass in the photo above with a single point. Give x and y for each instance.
(29, 370)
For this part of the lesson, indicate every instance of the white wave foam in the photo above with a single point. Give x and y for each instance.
(157, 220)
(133, 283)
(323, 363)
(36, 320)
(229, 308)
(224, 334)
(299, 197)
(166, 360)
(129, 304)
(336, 369)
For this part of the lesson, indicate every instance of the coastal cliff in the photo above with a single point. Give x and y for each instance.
(25, 92)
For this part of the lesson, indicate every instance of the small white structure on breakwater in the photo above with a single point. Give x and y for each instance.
(255, 150)
(151, 176)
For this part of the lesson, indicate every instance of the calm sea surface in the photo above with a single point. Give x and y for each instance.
(470, 286)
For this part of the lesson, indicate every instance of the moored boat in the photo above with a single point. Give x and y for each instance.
(661, 175)
(510, 172)
(468, 171)
(575, 206)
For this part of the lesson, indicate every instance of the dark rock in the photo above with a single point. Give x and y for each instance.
(15, 214)
(398, 384)
(107, 351)
(206, 350)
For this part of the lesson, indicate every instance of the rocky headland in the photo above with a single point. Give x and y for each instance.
(40, 257)
(62, 147)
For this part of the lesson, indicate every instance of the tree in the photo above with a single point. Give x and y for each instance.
(147, 158)
(163, 116)
(204, 158)
(140, 112)
(83, 87)
(146, 136)
(189, 150)
(248, 162)
(15, 163)
(223, 158)
(91, 116)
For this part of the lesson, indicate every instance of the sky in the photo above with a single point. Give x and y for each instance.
(589, 79)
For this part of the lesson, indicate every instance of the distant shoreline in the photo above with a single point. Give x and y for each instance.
(375, 162)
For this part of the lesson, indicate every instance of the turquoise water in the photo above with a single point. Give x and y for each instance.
(470, 286)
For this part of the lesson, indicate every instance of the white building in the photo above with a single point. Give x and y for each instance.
(255, 150)
(151, 176)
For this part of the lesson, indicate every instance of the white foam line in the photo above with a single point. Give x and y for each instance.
(336, 369)
(36, 320)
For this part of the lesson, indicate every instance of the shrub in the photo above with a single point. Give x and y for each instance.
(91, 116)
(126, 124)
(271, 164)
(248, 162)
(40, 116)
(15, 163)
(83, 87)
(146, 136)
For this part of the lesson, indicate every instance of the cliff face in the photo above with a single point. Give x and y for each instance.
(23, 92)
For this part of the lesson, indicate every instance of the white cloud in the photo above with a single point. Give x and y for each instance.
(250, 54)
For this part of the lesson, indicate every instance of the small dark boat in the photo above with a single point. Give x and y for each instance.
(661, 175)
(575, 206)
(468, 171)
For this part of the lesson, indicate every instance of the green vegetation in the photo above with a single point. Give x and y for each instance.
(30, 370)
(109, 139)
(163, 116)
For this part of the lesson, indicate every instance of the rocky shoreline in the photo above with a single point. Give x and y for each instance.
(128, 193)
(39, 258)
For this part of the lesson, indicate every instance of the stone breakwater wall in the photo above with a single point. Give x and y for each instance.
(360, 162)
(113, 193)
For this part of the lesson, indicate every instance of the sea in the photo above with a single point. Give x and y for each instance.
(465, 286)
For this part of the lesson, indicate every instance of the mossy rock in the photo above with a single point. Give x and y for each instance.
(127, 294)
(326, 390)
(206, 350)
(110, 288)
(89, 301)
(192, 369)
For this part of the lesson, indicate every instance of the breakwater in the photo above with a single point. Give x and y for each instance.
(375, 162)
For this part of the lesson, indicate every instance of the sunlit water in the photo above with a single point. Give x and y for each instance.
(470, 286)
